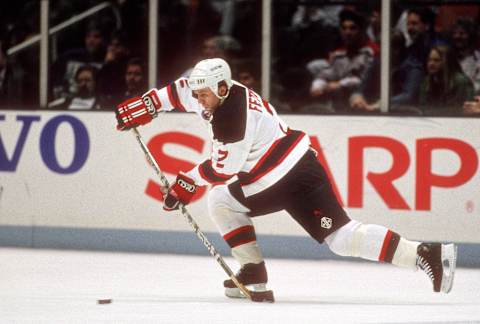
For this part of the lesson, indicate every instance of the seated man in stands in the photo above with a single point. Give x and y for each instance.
(463, 40)
(222, 46)
(409, 74)
(333, 85)
(66, 66)
(84, 95)
(110, 81)
(134, 84)
(135, 78)
(367, 97)
(472, 107)
(12, 89)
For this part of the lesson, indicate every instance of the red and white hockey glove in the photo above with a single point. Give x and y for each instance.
(137, 111)
(181, 191)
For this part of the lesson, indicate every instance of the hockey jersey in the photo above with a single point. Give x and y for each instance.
(249, 139)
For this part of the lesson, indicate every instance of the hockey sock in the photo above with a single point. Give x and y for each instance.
(406, 254)
(389, 246)
(373, 242)
(247, 253)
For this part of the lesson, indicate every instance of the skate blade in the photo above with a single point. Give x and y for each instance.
(449, 262)
(259, 293)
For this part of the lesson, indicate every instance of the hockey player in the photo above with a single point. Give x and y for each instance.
(261, 166)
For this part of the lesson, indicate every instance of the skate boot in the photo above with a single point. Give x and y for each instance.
(438, 261)
(254, 277)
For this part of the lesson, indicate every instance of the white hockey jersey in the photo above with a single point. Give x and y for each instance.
(249, 139)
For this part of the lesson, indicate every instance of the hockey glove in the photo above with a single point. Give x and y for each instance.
(137, 111)
(181, 191)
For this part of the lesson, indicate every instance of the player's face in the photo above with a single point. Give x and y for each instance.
(207, 99)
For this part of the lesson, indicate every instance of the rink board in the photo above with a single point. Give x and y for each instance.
(74, 171)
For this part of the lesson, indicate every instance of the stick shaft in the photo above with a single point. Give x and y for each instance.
(188, 217)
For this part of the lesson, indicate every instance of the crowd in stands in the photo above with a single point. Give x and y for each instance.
(325, 58)
(434, 61)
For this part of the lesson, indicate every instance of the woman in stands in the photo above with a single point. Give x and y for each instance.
(445, 87)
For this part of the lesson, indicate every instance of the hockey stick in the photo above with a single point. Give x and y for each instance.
(164, 187)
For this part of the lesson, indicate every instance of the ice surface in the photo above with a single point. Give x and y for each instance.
(52, 286)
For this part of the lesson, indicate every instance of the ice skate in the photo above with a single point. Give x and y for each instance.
(438, 261)
(254, 277)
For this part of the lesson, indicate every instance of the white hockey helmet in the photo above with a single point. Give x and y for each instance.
(209, 73)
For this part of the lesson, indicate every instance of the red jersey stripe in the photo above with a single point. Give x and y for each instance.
(273, 165)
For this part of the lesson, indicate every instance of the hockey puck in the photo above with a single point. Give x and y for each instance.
(104, 301)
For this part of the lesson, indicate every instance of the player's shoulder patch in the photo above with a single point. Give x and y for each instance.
(230, 119)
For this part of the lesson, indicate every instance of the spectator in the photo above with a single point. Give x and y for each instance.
(367, 97)
(375, 25)
(472, 107)
(408, 75)
(446, 87)
(463, 38)
(22, 23)
(135, 78)
(349, 64)
(400, 15)
(62, 10)
(182, 23)
(134, 17)
(84, 96)
(448, 14)
(247, 27)
(247, 72)
(312, 33)
(11, 82)
(134, 84)
(93, 53)
(221, 46)
(111, 82)
(323, 72)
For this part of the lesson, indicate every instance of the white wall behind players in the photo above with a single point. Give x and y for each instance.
(108, 191)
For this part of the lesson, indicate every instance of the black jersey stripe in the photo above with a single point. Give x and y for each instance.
(229, 122)
(209, 174)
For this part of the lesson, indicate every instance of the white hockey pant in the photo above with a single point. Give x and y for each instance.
(230, 216)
